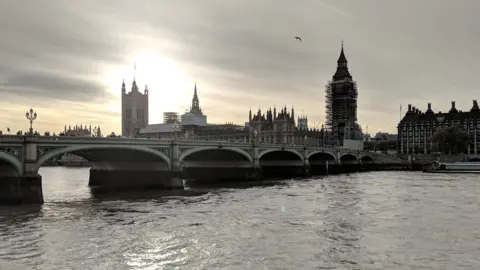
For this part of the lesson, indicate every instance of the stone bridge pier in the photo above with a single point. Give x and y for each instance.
(20, 182)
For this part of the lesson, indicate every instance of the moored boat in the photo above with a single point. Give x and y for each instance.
(454, 167)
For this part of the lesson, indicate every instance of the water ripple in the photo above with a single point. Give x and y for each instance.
(378, 220)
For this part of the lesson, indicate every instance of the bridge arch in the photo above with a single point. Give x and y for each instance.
(366, 158)
(348, 157)
(188, 152)
(324, 153)
(17, 164)
(281, 150)
(75, 148)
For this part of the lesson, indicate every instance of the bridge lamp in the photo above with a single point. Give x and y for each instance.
(255, 132)
(305, 139)
(31, 115)
(186, 135)
(175, 127)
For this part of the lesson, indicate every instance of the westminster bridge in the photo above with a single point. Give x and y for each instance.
(153, 163)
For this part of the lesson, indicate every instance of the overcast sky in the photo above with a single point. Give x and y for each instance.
(67, 59)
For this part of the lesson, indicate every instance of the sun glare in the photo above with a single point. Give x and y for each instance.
(169, 88)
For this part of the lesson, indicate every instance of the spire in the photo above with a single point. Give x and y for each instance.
(123, 87)
(195, 91)
(342, 67)
(342, 58)
(195, 102)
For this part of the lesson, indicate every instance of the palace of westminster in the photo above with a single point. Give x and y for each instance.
(271, 126)
(415, 129)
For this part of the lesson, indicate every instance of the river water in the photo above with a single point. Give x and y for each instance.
(378, 220)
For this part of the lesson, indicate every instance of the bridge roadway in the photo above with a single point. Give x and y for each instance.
(153, 163)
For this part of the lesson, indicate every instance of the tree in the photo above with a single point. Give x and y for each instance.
(451, 140)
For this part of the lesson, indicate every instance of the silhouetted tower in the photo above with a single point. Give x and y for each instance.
(195, 109)
(341, 104)
(134, 110)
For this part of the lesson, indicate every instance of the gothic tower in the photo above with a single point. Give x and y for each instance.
(134, 110)
(341, 104)
(195, 109)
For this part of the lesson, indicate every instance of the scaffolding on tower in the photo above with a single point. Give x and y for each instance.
(341, 110)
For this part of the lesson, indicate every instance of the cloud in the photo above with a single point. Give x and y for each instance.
(73, 54)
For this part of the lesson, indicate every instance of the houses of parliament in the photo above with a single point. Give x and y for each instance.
(271, 126)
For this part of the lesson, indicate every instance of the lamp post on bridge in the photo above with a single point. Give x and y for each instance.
(186, 135)
(255, 132)
(175, 127)
(31, 115)
(305, 140)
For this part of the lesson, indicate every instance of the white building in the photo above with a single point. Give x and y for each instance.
(189, 122)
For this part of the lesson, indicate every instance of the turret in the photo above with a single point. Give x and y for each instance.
(145, 92)
(134, 86)
(124, 90)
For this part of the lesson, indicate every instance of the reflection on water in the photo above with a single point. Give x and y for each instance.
(381, 220)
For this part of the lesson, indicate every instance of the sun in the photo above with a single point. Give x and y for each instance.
(170, 89)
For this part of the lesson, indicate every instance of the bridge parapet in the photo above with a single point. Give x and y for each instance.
(13, 146)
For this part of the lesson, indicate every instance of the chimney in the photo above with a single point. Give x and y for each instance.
(475, 102)
(429, 106)
(409, 107)
(453, 104)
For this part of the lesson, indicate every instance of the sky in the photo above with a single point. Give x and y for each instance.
(67, 59)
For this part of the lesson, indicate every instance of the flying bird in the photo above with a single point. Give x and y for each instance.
(299, 38)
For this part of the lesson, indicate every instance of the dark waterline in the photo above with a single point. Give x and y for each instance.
(380, 220)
